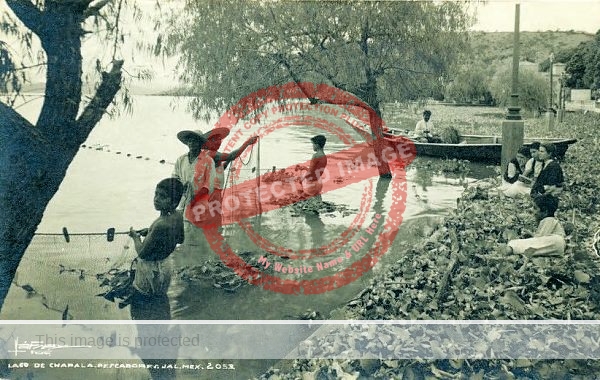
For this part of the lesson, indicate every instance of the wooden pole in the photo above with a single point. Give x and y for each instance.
(551, 105)
(561, 110)
(513, 126)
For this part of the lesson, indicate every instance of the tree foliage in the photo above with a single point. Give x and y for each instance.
(583, 66)
(533, 89)
(470, 84)
(562, 56)
(380, 51)
(43, 39)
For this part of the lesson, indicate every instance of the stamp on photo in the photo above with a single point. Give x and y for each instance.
(356, 250)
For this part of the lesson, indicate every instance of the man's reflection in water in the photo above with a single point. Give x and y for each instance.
(317, 228)
(159, 358)
(154, 307)
(311, 187)
(424, 176)
(383, 185)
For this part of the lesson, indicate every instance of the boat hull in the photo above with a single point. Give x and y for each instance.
(475, 148)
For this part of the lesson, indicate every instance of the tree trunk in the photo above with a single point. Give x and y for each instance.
(375, 121)
(35, 158)
(369, 91)
(28, 182)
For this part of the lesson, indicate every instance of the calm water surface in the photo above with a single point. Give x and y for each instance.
(108, 186)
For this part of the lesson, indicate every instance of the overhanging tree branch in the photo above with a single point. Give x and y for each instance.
(12, 123)
(28, 13)
(111, 83)
(94, 10)
(9, 116)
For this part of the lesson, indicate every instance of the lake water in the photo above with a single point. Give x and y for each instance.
(107, 185)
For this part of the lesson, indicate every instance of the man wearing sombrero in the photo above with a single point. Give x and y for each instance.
(214, 139)
(196, 170)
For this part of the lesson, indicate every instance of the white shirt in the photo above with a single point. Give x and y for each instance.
(220, 180)
(184, 171)
(534, 167)
(423, 126)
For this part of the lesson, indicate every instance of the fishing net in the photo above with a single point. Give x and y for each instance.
(56, 272)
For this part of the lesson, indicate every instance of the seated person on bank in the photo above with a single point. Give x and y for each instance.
(152, 269)
(530, 172)
(424, 131)
(551, 179)
(514, 170)
(549, 238)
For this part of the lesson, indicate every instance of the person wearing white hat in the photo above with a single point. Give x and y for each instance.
(186, 163)
(214, 139)
(196, 170)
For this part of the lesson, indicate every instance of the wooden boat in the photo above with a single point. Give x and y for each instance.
(476, 148)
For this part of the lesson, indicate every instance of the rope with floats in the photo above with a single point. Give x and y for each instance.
(100, 148)
(110, 233)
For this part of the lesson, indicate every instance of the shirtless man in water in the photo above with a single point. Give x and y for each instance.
(153, 270)
(311, 181)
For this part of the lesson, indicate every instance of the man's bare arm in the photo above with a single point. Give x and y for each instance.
(228, 157)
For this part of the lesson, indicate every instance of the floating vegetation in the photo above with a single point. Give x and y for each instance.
(308, 315)
(216, 274)
(460, 272)
(284, 175)
(439, 167)
(120, 284)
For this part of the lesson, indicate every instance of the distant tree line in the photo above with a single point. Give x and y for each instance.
(582, 64)
(474, 82)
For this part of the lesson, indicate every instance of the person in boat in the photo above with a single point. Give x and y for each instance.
(551, 179)
(311, 181)
(424, 130)
(214, 138)
(152, 266)
(514, 169)
(531, 170)
(549, 238)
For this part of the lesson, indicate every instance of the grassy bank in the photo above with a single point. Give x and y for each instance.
(459, 273)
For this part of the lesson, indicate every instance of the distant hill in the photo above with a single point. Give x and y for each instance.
(495, 48)
(490, 49)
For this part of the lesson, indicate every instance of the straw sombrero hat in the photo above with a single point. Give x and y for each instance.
(187, 136)
(217, 133)
(202, 137)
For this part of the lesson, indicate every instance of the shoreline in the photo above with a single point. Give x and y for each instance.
(456, 274)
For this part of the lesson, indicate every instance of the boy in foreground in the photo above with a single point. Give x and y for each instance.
(153, 270)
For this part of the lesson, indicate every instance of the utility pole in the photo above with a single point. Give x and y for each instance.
(561, 98)
(513, 126)
(551, 105)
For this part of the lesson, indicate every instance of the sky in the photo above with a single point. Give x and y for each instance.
(492, 15)
(539, 15)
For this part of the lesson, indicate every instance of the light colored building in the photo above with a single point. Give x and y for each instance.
(558, 68)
